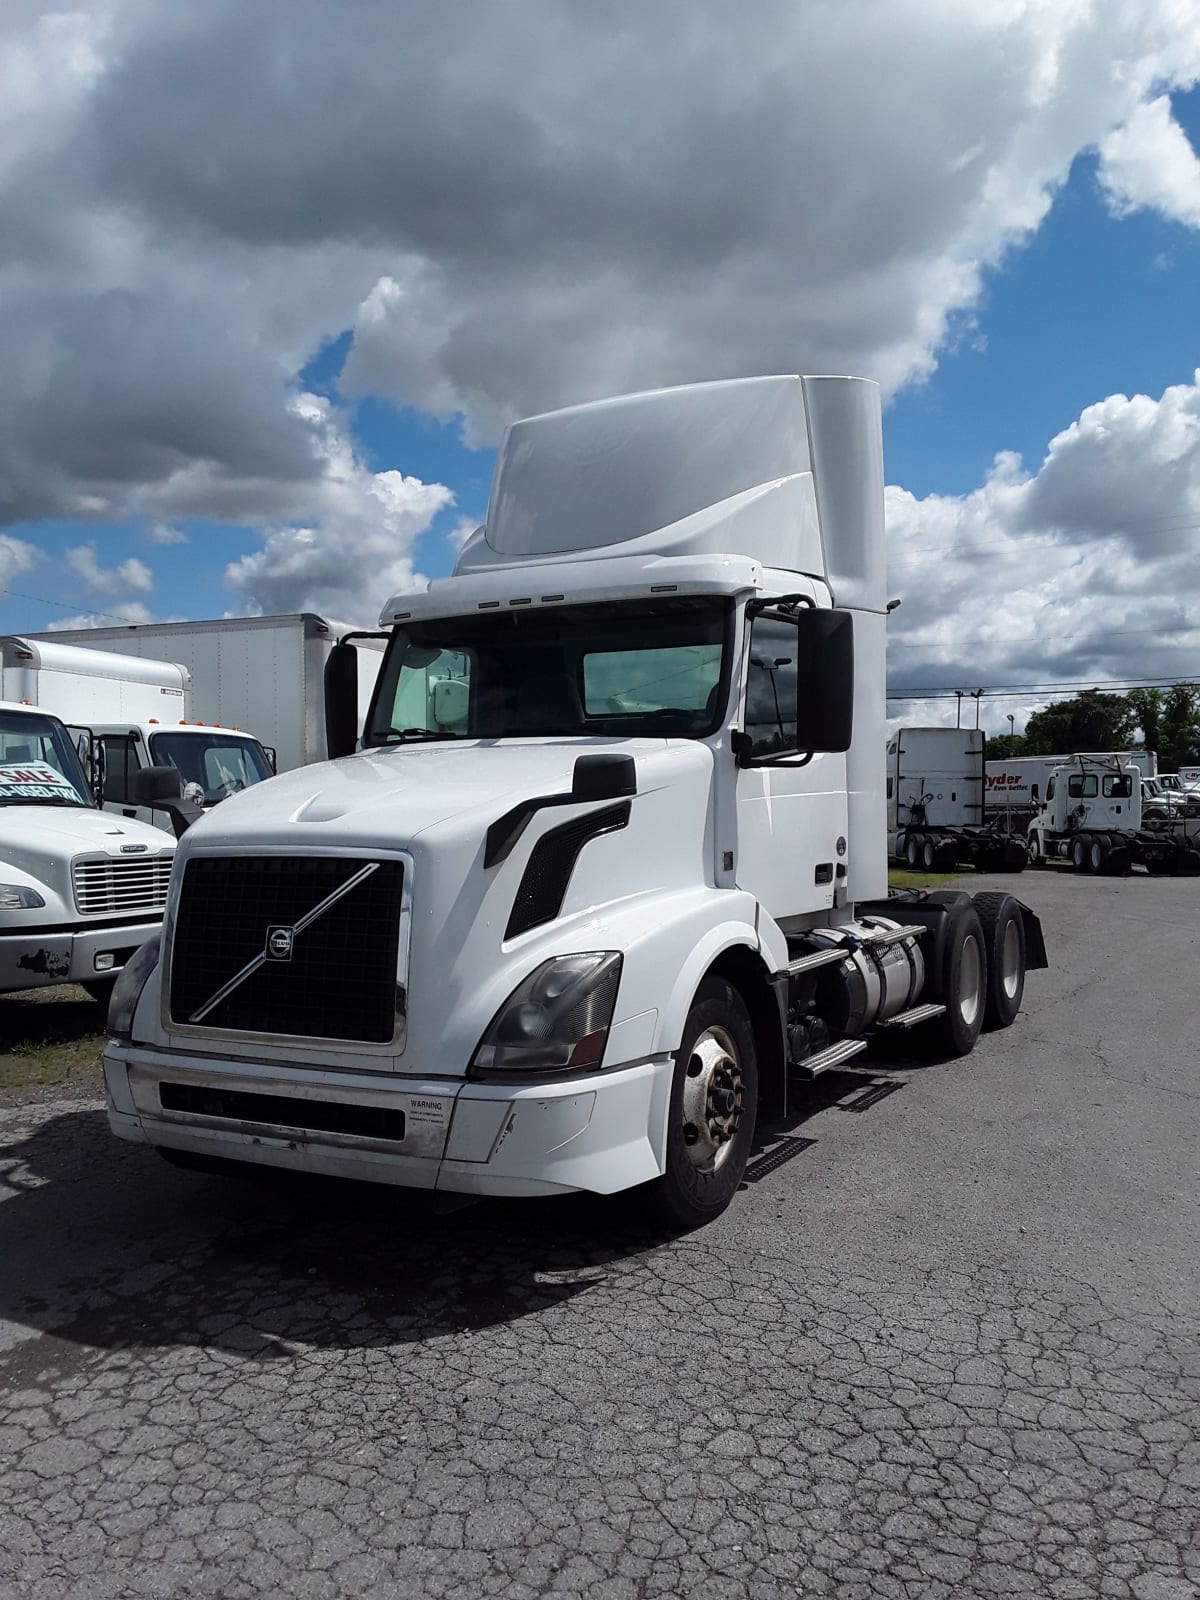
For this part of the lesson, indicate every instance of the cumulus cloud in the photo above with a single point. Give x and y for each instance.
(1149, 164)
(16, 556)
(551, 204)
(164, 533)
(1083, 571)
(357, 548)
(130, 574)
(130, 611)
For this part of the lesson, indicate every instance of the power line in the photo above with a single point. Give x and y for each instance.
(1037, 638)
(69, 605)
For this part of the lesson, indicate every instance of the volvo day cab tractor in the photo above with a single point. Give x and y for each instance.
(1093, 818)
(580, 936)
(935, 804)
(80, 890)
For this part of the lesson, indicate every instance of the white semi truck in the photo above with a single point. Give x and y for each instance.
(579, 938)
(1094, 818)
(80, 890)
(139, 712)
(935, 814)
(265, 674)
(1015, 786)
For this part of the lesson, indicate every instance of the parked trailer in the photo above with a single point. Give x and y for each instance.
(935, 804)
(578, 937)
(1093, 819)
(265, 674)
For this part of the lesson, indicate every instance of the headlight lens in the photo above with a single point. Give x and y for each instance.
(127, 990)
(557, 1020)
(16, 897)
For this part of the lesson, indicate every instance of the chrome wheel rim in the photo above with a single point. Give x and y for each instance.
(1010, 960)
(970, 980)
(713, 1096)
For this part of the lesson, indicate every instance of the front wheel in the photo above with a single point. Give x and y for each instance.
(714, 1105)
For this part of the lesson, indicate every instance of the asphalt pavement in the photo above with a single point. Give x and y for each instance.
(945, 1343)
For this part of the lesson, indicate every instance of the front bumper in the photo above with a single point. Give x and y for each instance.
(31, 960)
(601, 1133)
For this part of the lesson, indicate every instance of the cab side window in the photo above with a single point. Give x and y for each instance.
(1082, 786)
(120, 764)
(771, 687)
(1118, 788)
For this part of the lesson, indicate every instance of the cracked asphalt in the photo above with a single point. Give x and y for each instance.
(950, 1346)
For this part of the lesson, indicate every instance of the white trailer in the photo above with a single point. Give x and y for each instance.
(935, 804)
(580, 933)
(1094, 818)
(80, 891)
(138, 712)
(264, 674)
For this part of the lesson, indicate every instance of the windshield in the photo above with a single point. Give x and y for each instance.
(634, 668)
(218, 764)
(38, 764)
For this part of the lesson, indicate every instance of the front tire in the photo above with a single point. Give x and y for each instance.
(714, 1106)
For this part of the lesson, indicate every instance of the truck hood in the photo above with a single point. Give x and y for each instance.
(390, 797)
(42, 833)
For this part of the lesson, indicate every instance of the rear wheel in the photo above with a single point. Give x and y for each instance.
(1079, 854)
(714, 1104)
(1098, 855)
(912, 851)
(927, 854)
(963, 988)
(1004, 941)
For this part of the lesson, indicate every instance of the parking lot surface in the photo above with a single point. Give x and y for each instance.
(945, 1343)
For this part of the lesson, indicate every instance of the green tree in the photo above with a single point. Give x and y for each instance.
(1003, 746)
(1179, 732)
(1146, 708)
(1091, 721)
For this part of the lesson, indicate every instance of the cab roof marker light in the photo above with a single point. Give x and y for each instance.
(401, 616)
(488, 605)
(548, 599)
(527, 600)
(663, 588)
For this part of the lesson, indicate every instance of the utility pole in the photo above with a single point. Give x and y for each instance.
(977, 696)
(958, 713)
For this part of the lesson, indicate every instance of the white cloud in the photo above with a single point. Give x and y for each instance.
(546, 206)
(16, 556)
(1148, 164)
(357, 548)
(131, 574)
(1081, 572)
(125, 611)
(164, 533)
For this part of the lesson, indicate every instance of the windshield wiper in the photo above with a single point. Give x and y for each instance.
(411, 735)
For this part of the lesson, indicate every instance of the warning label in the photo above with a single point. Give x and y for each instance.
(427, 1111)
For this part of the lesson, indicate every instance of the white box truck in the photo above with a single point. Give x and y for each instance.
(935, 804)
(264, 674)
(579, 938)
(139, 713)
(80, 890)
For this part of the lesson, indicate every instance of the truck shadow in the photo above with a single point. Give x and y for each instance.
(107, 1247)
(48, 1016)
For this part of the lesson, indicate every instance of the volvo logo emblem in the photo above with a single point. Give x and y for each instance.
(279, 944)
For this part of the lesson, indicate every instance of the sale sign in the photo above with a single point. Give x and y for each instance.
(35, 780)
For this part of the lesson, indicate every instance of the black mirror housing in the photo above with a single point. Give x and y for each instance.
(603, 778)
(152, 786)
(825, 681)
(341, 701)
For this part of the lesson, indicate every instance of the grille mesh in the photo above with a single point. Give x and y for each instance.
(341, 980)
(112, 884)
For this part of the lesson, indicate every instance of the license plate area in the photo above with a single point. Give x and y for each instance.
(381, 1124)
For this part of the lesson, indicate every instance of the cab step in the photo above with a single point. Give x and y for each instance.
(813, 1066)
(909, 1019)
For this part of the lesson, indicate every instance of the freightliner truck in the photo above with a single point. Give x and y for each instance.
(1094, 818)
(576, 930)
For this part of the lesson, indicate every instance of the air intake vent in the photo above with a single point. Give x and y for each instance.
(246, 932)
(551, 863)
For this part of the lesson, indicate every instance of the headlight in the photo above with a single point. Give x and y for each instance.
(127, 990)
(16, 897)
(557, 1020)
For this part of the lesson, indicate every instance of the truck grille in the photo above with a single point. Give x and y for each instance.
(110, 885)
(338, 981)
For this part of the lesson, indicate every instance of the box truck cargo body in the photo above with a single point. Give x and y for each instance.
(578, 922)
(935, 804)
(261, 674)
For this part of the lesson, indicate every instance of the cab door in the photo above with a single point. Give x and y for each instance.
(792, 822)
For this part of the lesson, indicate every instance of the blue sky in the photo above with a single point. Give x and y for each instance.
(625, 204)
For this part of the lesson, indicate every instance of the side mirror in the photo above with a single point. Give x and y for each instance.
(341, 701)
(161, 788)
(154, 786)
(272, 758)
(825, 681)
(603, 777)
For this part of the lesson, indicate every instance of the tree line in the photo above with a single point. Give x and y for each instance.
(1164, 720)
